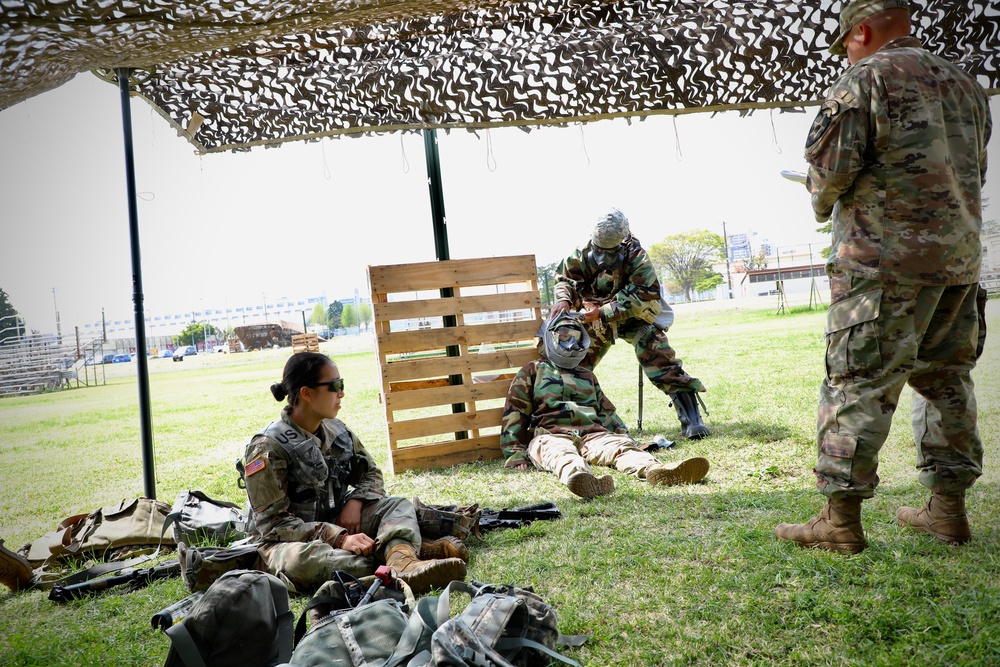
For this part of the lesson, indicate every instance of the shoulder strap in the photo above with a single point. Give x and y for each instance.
(279, 593)
(182, 642)
(507, 643)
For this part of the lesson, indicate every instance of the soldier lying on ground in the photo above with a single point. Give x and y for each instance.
(318, 498)
(557, 418)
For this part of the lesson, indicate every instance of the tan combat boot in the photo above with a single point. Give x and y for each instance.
(443, 547)
(836, 528)
(585, 485)
(15, 572)
(943, 517)
(685, 472)
(423, 575)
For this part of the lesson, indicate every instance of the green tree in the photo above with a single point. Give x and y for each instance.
(194, 332)
(365, 314)
(333, 315)
(709, 281)
(348, 316)
(319, 316)
(547, 282)
(687, 258)
(10, 321)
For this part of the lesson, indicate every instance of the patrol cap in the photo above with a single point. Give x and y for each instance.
(857, 11)
(611, 229)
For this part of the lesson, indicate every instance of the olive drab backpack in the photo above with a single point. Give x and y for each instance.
(197, 519)
(242, 620)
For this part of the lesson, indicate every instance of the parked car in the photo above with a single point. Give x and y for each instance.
(186, 351)
(108, 358)
(121, 358)
(166, 354)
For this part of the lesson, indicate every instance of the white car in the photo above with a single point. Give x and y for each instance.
(185, 351)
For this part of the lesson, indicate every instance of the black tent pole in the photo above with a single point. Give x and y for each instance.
(123, 74)
(441, 242)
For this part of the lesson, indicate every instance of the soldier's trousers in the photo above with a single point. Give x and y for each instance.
(879, 337)
(565, 455)
(652, 350)
(306, 565)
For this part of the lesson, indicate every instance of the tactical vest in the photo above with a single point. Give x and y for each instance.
(317, 481)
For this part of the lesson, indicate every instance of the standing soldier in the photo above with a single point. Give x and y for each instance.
(612, 281)
(897, 157)
(557, 418)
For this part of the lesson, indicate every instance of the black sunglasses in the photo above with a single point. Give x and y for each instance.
(336, 386)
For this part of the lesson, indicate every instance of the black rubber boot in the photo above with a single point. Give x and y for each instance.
(686, 405)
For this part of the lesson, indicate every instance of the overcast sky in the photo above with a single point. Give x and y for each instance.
(308, 218)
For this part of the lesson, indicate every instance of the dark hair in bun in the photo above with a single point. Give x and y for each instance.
(303, 369)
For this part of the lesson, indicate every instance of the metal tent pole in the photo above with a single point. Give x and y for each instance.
(441, 250)
(122, 74)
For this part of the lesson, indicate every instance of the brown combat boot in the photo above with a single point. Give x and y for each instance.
(15, 572)
(423, 575)
(443, 547)
(943, 517)
(685, 472)
(836, 528)
(587, 486)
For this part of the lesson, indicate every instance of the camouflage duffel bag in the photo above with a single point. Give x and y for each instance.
(438, 521)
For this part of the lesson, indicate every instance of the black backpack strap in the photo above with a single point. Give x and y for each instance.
(300, 625)
(520, 642)
(183, 643)
(279, 592)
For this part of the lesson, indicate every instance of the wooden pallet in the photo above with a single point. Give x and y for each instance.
(447, 357)
(305, 343)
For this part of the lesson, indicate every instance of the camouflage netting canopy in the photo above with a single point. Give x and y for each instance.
(231, 74)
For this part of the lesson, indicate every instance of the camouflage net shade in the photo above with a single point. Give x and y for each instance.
(233, 74)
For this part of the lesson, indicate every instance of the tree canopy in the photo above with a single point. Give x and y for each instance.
(547, 282)
(10, 322)
(319, 316)
(348, 316)
(686, 259)
(365, 314)
(194, 332)
(333, 313)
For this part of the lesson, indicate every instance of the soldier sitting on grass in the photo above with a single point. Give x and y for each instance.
(557, 418)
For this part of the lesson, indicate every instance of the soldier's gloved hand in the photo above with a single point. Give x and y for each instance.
(359, 544)
(350, 517)
(558, 307)
(591, 313)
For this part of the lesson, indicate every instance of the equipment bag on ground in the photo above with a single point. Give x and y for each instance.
(242, 620)
(201, 566)
(129, 524)
(198, 519)
(503, 626)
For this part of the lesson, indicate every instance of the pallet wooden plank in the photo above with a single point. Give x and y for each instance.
(437, 339)
(446, 395)
(413, 369)
(463, 305)
(451, 423)
(447, 454)
(423, 276)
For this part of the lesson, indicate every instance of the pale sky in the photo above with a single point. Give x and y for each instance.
(308, 218)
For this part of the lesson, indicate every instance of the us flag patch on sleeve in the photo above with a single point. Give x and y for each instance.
(255, 466)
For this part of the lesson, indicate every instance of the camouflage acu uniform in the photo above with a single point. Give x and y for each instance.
(628, 294)
(565, 423)
(897, 157)
(296, 500)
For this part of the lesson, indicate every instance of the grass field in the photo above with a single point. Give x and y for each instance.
(658, 576)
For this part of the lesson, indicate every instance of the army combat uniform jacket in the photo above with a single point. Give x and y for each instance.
(629, 289)
(905, 156)
(544, 398)
(298, 482)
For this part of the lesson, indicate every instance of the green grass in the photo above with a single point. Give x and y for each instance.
(675, 576)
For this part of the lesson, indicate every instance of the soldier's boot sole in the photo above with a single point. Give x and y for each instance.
(690, 471)
(588, 486)
(15, 572)
(696, 432)
(951, 528)
(425, 575)
(444, 547)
